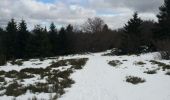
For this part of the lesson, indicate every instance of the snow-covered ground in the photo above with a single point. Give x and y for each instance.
(100, 81)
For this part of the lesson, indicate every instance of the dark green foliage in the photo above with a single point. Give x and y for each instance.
(62, 44)
(131, 39)
(53, 38)
(163, 27)
(134, 80)
(3, 60)
(22, 40)
(39, 45)
(10, 39)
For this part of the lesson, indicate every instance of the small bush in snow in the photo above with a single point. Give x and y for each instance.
(2, 73)
(165, 55)
(41, 59)
(18, 75)
(114, 63)
(150, 72)
(168, 73)
(66, 83)
(140, 63)
(2, 79)
(15, 89)
(134, 80)
(11, 74)
(160, 64)
(56, 80)
(114, 52)
(76, 63)
(39, 87)
(17, 62)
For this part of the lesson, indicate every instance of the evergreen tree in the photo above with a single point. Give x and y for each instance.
(10, 39)
(69, 39)
(105, 28)
(132, 33)
(163, 27)
(62, 44)
(2, 55)
(53, 38)
(21, 39)
(69, 28)
(39, 45)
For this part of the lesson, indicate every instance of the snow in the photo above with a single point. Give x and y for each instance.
(100, 81)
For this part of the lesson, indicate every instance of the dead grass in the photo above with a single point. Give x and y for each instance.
(134, 79)
(56, 80)
(115, 63)
(160, 64)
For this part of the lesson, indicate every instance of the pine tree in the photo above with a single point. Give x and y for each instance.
(62, 44)
(39, 45)
(105, 28)
(10, 39)
(53, 38)
(132, 33)
(69, 38)
(69, 29)
(2, 55)
(162, 30)
(21, 40)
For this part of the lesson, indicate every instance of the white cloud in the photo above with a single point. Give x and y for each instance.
(62, 12)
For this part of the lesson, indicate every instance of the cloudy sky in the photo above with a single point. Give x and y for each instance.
(62, 12)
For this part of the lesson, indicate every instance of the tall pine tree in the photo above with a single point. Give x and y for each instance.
(69, 39)
(162, 30)
(62, 44)
(21, 40)
(53, 38)
(10, 39)
(2, 55)
(39, 45)
(132, 32)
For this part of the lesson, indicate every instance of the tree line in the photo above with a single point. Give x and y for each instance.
(17, 42)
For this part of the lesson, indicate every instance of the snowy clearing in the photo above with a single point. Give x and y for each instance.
(99, 80)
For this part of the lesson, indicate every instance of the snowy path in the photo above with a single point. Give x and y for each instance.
(92, 81)
(99, 81)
